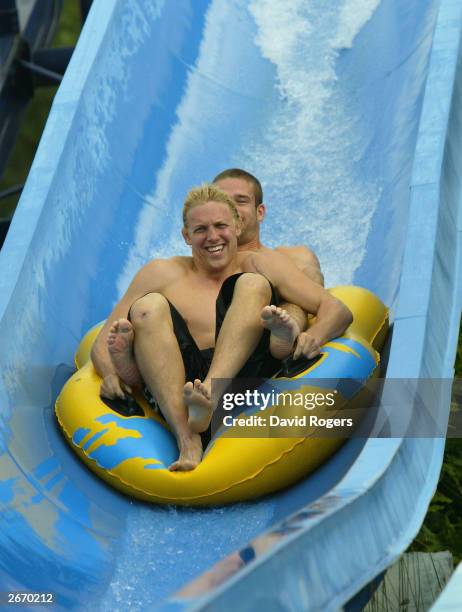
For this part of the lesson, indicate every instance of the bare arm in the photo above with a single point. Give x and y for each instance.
(332, 316)
(151, 278)
(305, 260)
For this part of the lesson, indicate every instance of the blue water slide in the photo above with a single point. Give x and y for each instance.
(350, 114)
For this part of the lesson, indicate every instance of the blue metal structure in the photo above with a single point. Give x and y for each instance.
(25, 27)
(349, 113)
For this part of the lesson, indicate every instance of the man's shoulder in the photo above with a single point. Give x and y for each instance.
(177, 261)
(298, 249)
(263, 260)
(299, 252)
(172, 266)
(263, 252)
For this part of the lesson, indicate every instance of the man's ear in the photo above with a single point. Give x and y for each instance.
(186, 237)
(261, 210)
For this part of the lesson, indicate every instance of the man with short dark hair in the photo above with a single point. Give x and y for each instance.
(246, 191)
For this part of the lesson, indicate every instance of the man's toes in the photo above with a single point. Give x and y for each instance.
(188, 388)
(203, 389)
(182, 466)
(124, 326)
(177, 466)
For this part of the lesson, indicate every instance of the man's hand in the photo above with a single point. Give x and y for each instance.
(112, 387)
(307, 346)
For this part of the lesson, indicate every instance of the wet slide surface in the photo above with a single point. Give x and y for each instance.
(323, 104)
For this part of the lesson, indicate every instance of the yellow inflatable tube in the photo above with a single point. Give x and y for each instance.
(132, 453)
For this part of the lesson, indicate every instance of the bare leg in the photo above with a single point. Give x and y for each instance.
(297, 314)
(239, 335)
(120, 346)
(284, 330)
(161, 365)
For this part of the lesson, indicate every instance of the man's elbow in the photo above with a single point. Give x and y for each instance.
(342, 317)
(346, 316)
(318, 277)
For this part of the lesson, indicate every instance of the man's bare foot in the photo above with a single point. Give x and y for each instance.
(120, 347)
(284, 330)
(199, 404)
(190, 454)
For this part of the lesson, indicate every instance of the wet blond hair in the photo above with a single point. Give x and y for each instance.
(207, 193)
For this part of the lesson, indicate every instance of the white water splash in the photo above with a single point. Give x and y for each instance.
(306, 157)
(354, 14)
(159, 541)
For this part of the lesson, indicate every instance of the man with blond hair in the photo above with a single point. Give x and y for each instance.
(185, 321)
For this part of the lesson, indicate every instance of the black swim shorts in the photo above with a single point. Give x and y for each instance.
(260, 364)
(197, 362)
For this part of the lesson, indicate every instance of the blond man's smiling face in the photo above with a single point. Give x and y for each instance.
(212, 233)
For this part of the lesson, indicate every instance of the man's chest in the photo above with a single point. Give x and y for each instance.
(195, 303)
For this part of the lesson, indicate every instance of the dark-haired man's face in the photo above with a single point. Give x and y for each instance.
(242, 192)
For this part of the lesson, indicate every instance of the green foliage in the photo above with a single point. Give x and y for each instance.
(69, 26)
(442, 528)
(458, 364)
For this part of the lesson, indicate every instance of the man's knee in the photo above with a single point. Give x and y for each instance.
(252, 282)
(151, 307)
